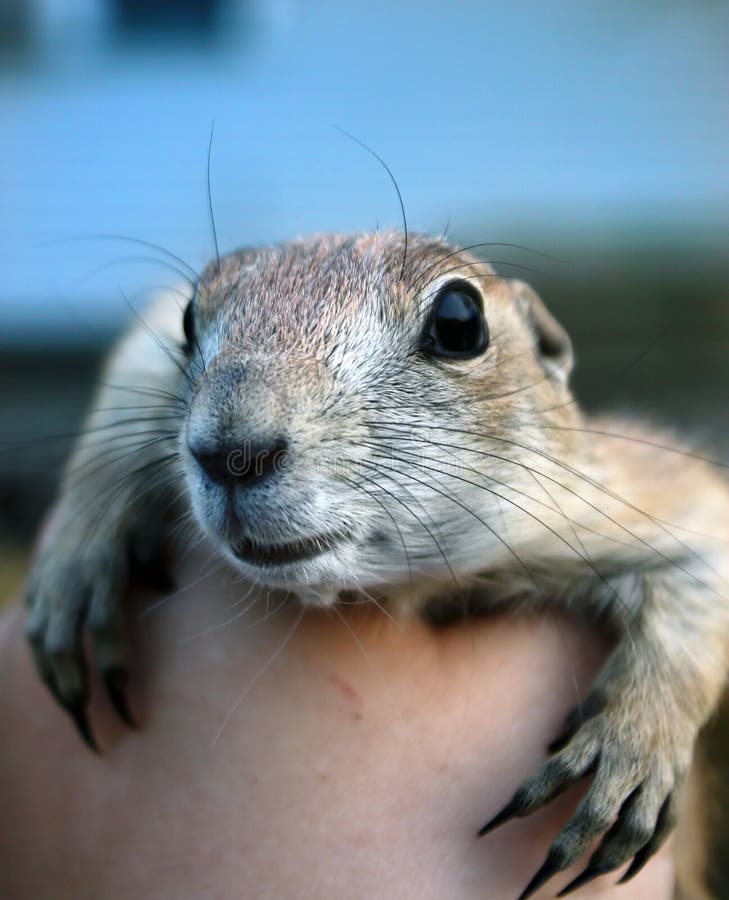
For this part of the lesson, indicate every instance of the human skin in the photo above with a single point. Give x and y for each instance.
(289, 756)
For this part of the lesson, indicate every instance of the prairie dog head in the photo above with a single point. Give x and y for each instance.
(353, 409)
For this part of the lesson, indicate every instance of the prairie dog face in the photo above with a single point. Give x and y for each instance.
(346, 398)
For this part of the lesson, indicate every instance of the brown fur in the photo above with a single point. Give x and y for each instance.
(425, 480)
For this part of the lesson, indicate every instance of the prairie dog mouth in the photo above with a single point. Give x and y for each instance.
(270, 555)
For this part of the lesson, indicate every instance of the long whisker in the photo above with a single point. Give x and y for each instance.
(144, 390)
(573, 523)
(387, 512)
(636, 440)
(589, 480)
(475, 515)
(417, 518)
(375, 602)
(355, 638)
(581, 554)
(422, 275)
(148, 260)
(125, 238)
(114, 454)
(213, 568)
(12, 446)
(210, 195)
(419, 465)
(392, 178)
(111, 493)
(239, 614)
(489, 263)
(261, 672)
(168, 351)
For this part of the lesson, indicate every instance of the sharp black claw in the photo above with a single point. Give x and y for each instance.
(77, 711)
(664, 824)
(639, 860)
(512, 808)
(588, 875)
(50, 683)
(551, 865)
(115, 681)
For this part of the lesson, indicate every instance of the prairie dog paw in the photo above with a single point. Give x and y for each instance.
(638, 771)
(72, 589)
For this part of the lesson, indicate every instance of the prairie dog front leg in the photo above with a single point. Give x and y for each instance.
(116, 487)
(635, 731)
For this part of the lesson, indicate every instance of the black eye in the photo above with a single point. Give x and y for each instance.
(188, 326)
(456, 328)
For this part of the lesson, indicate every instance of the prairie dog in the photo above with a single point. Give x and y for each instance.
(387, 416)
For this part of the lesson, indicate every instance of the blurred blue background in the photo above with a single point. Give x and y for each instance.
(522, 121)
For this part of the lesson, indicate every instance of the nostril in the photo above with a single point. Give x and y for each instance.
(213, 462)
(244, 465)
(254, 462)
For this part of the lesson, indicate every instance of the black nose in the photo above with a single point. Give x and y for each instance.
(241, 466)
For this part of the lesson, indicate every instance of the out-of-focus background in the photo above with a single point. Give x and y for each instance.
(595, 133)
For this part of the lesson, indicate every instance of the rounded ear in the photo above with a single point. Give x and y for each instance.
(552, 343)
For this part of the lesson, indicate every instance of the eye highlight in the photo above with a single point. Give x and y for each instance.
(188, 326)
(456, 328)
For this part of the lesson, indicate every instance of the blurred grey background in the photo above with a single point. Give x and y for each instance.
(595, 133)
